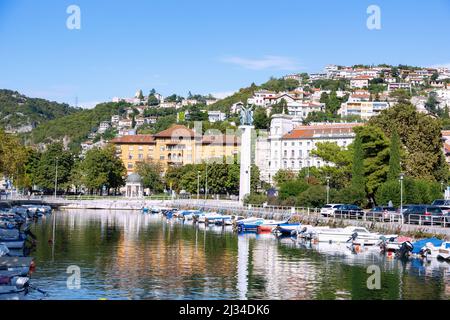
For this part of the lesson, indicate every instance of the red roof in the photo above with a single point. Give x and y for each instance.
(175, 131)
(135, 139)
(309, 131)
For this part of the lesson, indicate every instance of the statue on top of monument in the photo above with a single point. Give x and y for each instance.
(246, 116)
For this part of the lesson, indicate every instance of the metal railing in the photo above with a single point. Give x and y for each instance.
(440, 221)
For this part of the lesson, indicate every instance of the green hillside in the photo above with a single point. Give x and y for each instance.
(243, 94)
(75, 127)
(20, 113)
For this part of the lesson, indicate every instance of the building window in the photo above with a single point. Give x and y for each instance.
(285, 153)
(292, 153)
(130, 166)
(161, 158)
(140, 148)
(130, 157)
(131, 148)
(141, 156)
(293, 164)
(293, 144)
(285, 164)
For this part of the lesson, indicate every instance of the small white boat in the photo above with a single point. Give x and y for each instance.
(3, 250)
(355, 235)
(209, 215)
(444, 251)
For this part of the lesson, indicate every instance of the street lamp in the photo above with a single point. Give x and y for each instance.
(402, 176)
(56, 175)
(206, 186)
(198, 185)
(328, 190)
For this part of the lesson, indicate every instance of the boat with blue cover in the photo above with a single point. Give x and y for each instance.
(288, 229)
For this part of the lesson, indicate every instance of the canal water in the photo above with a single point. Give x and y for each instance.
(128, 255)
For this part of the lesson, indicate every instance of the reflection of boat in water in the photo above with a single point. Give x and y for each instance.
(258, 225)
(434, 249)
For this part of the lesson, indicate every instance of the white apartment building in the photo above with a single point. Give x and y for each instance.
(103, 127)
(360, 82)
(363, 109)
(259, 97)
(134, 101)
(216, 116)
(236, 107)
(115, 119)
(289, 147)
(399, 85)
(301, 109)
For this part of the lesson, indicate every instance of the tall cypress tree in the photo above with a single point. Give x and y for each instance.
(358, 164)
(358, 184)
(394, 157)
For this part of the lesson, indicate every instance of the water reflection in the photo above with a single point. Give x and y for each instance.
(127, 255)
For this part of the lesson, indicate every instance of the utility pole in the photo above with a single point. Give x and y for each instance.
(56, 176)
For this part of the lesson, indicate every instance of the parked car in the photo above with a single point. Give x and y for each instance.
(404, 208)
(443, 204)
(382, 213)
(349, 210)
(425, 214)
(329, 209)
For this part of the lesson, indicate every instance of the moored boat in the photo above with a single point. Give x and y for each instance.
(356, 235)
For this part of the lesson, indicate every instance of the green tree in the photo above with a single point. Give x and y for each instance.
(432, 104)
(358, 186)
(394, 157)
(291, 189)
(101, 168)
(261, 120)
(195, 114)
(283, 176)
(420, 135)
(255, 181)
(151, 174)
(434, 76)
(279, 108)
(375, 147)
(314, 197)
(152, 100)
(13, 157)
(55, 157)
(140, 95)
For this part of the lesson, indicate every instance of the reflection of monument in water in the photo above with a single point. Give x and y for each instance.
(281, 279)
(247, 129)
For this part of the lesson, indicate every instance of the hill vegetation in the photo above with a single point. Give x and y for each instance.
(19, 113)
(75, 128)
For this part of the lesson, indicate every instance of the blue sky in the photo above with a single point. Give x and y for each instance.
(204, 46)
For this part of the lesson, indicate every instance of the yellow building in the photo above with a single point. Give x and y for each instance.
(176, 146)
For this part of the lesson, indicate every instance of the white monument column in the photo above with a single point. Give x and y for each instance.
(246, 161)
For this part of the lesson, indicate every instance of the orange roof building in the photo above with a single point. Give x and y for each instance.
(175, 146)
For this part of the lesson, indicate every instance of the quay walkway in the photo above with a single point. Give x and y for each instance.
(306, 215)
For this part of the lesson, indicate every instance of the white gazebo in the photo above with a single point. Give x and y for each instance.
(134, 186)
